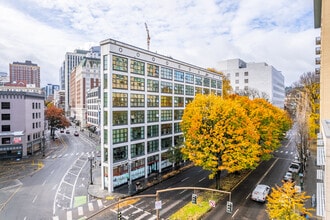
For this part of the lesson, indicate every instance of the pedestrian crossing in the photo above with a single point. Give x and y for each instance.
(90, 153)
(285, 152)
(81, 211)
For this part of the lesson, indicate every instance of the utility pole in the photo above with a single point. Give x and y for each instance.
(148, 36)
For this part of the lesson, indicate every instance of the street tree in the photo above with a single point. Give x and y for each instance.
(286, 202)
(175, 155)
(219, 136)
(226, 87)
(56, 119)
(270, 121)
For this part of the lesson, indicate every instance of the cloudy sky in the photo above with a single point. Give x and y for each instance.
(201, 32)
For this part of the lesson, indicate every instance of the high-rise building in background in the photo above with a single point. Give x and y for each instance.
(71, 60)
(322, 20)
(27, 74)
(49, 91)
(260, 77)
(143, 96)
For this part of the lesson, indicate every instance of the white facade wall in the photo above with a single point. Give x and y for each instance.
(129, 150)
(258, 76)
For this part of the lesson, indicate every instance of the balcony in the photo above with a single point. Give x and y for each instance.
(317, 61)
(317, 40)
(318, 50)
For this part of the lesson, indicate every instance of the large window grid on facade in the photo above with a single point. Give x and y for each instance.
(190, 90)
(166, 73)
(166, 101)
(152, 100)
(119, 81)
(166, 143)
(152, 70)
(189, 78)
(137, 133)
(137, 67)
(137, 150)
(166, 129)
(198, 80)
(119, 99)
(137, 100)
(166, 115)
(177, 128)
(152, 116)
(166, 87)
(178, 76)
(137, 83)
(178, 89)
(119, 135)
(120, 153)
(137, 117)
(152, 85)
(153, 146)
(178, 113)
(120, 118)
(153, 131)
(178, 101)
(119, 63)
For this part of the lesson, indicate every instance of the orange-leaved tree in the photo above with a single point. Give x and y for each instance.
(286, 202)
(226, 87)
(271, 123)
(219, 136)
(56, 118)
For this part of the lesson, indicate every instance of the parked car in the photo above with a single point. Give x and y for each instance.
(287, 176)
(67, 132)
(76, 133)
(61, 131)
(294, 168)
(260, 193)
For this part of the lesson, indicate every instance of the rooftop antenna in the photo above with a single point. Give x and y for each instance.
(148, 36)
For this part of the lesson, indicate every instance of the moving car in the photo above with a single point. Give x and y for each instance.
(76, 133)
(67, 132)
(294, 168)
(287, 176)
(260, 193)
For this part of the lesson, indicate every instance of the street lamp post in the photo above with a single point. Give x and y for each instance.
(91, 168)
(43, 145)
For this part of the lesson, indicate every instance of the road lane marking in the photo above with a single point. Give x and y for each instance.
(99, 203)
(248, 196)
(268, 171)
(25, 218)
(80, 210)
(182, 191)
(90, 207)
(55, 218)
(69, 215)
(201, 179)
(235, 213)
(43, 184)
(52, 172)
(35, 198)
(184, 179)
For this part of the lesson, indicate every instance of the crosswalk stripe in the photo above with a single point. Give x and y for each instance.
(142, 216)
(90, 207)
(99, 203)
(69, 215)
(80, 210)
(55, 218)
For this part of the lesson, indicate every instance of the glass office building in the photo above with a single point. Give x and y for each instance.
(143, 96)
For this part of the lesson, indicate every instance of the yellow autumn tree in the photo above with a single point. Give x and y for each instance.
(219, 135)
(226, 87)
(270, 121)
(286, 203)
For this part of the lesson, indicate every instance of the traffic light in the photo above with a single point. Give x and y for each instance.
(229, 207)
(194, 198)
(119, 215)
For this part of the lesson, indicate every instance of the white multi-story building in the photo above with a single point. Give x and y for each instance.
(260, 77)
(22, 121)
(93, 103)
(143, 98)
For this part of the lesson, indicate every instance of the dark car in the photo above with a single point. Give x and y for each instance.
(76, 133)
(67, 132)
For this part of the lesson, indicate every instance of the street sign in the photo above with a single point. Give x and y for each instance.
(158, 204)
(194, 198)
(212, 203)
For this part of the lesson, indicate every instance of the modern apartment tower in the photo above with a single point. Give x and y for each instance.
(27, 72)
(260, 77)
(322, 20)
(143, 98)
(71, 60)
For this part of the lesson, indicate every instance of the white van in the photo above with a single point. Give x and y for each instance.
(260, 193)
